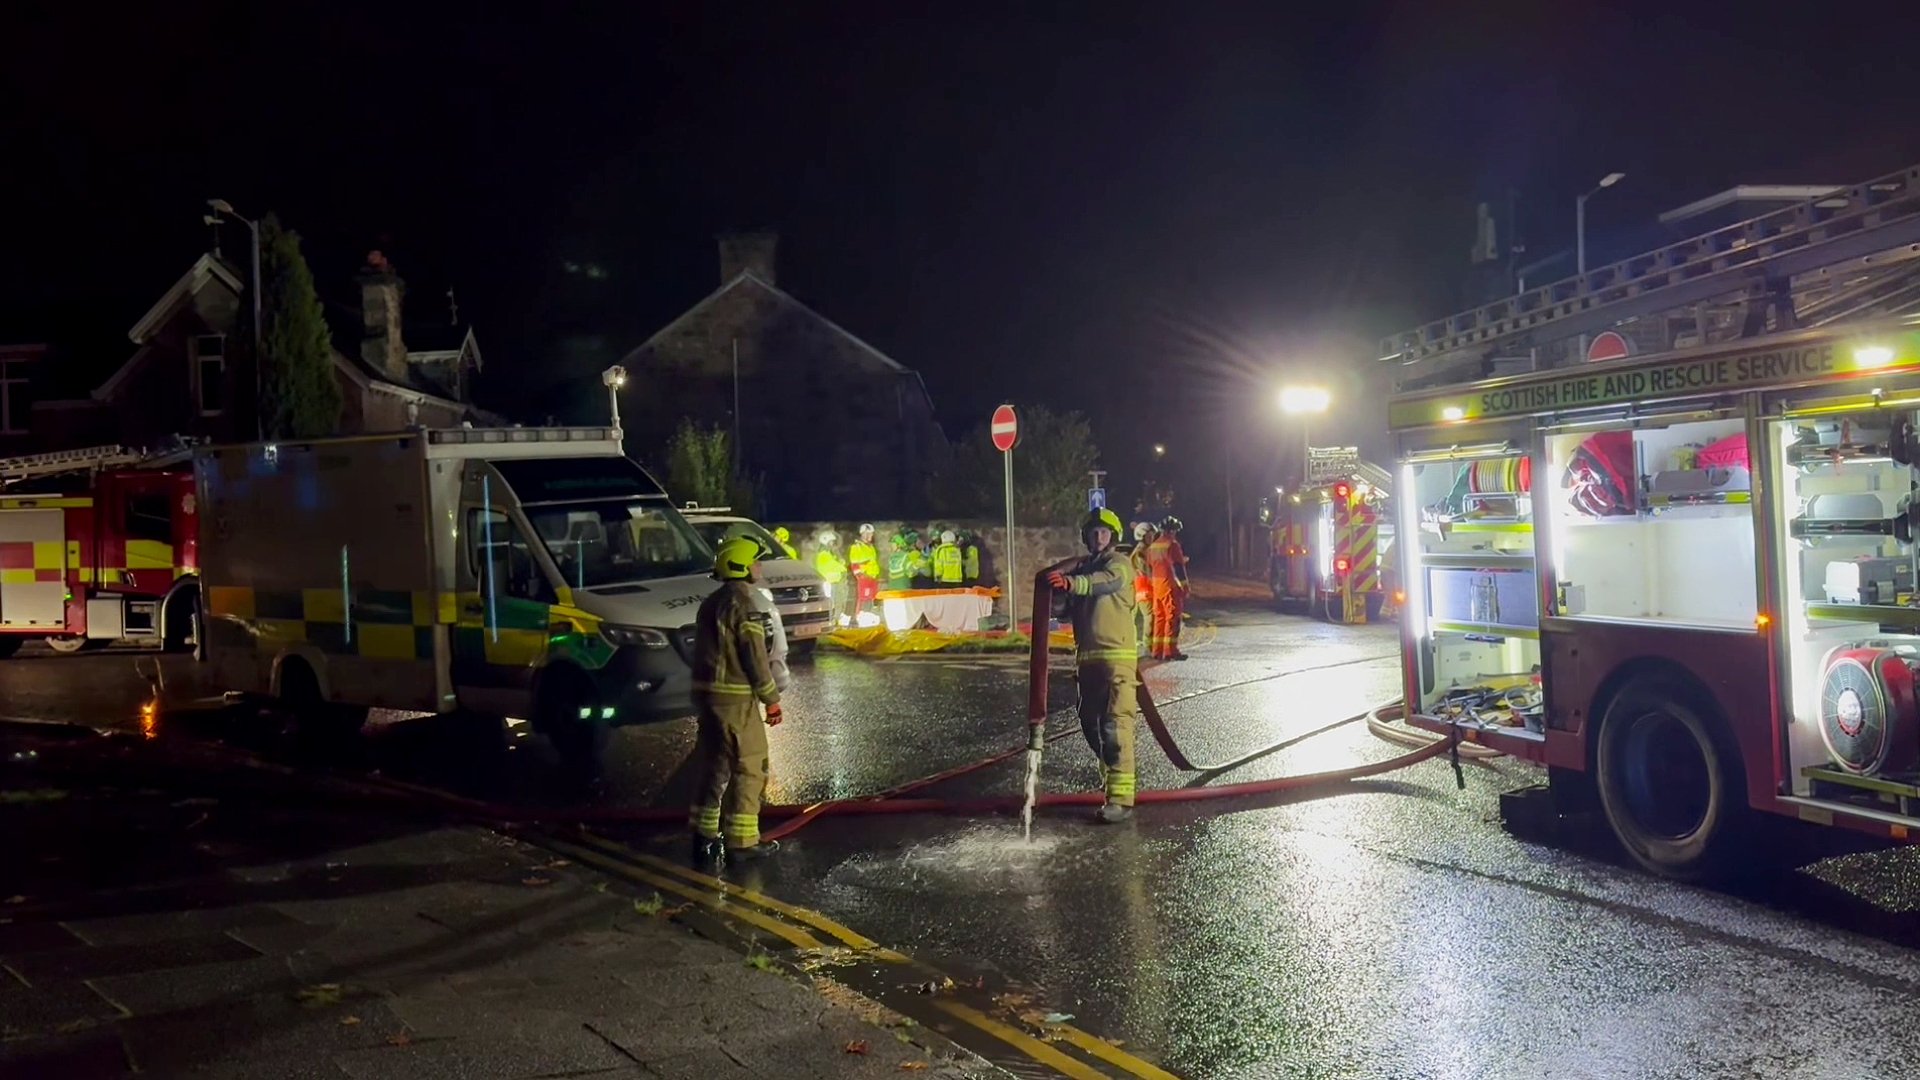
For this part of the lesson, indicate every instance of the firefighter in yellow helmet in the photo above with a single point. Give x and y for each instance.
(732, 679)
(1100, 601)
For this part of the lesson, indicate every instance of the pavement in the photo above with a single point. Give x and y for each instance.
(244, 931)
(1386, 928)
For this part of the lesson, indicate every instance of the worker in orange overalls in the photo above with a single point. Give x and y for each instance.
(1177, 559)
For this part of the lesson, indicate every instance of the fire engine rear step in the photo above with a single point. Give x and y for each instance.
(1901, 792)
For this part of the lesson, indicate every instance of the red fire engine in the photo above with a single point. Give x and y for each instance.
(97, 546)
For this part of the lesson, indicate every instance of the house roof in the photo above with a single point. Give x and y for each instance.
(208, 267)
(748, 277)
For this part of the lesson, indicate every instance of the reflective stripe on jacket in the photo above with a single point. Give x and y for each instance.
(730, 647)
(1101, 604)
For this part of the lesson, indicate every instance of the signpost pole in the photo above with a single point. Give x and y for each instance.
(1012, 589)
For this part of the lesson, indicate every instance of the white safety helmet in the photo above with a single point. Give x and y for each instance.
(948, 537)
(866, 532)
(828, 539)
(1142, 530)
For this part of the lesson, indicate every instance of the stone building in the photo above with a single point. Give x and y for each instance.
(828, 425)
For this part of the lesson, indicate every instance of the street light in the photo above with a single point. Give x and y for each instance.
(1159, 450)
(1304, 402)
(222, 206)
(1580, 218)
(613, 379)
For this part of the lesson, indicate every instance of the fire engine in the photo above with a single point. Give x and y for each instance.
(1332, 540)
(1684, 581)
(97, 546)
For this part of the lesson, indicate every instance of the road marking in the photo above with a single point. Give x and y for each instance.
(793, 935)
(798, 914)
(1007, 1033)
(1021, 1041)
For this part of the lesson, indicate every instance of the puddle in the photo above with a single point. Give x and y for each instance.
(997, 855)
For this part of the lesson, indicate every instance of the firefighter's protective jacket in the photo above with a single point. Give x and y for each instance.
(1101, 604)
(730, 647)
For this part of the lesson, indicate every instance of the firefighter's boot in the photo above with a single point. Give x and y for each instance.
(1112, 813)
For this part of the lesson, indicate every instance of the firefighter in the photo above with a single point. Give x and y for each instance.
(732, 679)
(832, 569)
(970, 556)
(1099, 593)
(781, 534)
(949, 565)
(865, 560)
(1143, 534)
(1176, 557)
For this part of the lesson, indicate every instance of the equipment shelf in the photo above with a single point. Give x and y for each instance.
(1899, 791)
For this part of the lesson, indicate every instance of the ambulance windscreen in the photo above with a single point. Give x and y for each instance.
(551, 480)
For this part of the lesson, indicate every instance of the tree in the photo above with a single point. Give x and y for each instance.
(1050, 468)
(700, 468)
(299, 397)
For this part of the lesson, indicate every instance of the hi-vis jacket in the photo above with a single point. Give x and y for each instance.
(1100, 601)
(730, 647)
(865, 558)
(949, 566)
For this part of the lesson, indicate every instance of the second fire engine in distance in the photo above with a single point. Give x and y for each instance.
(535, 573)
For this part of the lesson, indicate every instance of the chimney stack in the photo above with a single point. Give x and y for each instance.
(748, 253)
(381, 291)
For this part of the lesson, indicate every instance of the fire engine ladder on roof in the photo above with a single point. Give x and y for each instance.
(1859, 228)
(1379, 478)
(32, 466)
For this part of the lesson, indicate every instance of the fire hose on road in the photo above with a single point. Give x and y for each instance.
(895, 800)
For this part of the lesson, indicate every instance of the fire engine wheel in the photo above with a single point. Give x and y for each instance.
(1669, 788)
(67, 646)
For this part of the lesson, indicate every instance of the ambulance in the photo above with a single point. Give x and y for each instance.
(504, 572)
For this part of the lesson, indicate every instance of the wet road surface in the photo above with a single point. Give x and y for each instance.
(1393, 929)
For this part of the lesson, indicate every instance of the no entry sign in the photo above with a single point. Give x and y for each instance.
(1005, 428)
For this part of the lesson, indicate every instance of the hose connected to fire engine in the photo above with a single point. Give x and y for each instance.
(893, 800)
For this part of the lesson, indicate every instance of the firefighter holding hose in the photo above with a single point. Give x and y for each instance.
(732, 679)
(1100, 601)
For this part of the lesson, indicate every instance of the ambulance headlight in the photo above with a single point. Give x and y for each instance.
(643, 636)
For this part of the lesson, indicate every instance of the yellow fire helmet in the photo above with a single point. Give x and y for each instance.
(733, 559)
(1101, 519)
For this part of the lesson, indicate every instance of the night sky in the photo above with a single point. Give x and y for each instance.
(1155, 212)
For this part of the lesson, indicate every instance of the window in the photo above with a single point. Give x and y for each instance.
(1655, 523)
(210, 373)
(14, 399)
(599, 544)
(148, 518)
(499, 556)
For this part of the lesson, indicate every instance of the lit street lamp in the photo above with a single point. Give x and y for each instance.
(613, 379)
(1304, 402)
(1159, 450)
(222, 206)
(1580, 219)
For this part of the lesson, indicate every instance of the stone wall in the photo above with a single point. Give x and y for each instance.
(1033, 547)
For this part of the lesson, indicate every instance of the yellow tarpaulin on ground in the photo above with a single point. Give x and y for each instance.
(879, 641)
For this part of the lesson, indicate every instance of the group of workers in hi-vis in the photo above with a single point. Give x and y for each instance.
(942, 558)
(1102, 594)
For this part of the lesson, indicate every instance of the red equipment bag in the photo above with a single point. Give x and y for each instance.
(1600, 478)
(1728, 453)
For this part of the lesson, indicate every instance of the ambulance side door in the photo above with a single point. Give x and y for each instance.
(500, 634)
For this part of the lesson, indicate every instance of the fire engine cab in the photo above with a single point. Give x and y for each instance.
(1332, 539)
(97, 546)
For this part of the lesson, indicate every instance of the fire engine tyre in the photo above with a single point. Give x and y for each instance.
(67, 646)
(1668, 784)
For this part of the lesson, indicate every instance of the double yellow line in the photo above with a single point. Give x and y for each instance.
(804, 929)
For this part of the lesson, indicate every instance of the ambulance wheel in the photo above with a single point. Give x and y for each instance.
(1669, 782)
(10, 644)
(567, 713)
(67, 646)
(311, 712)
